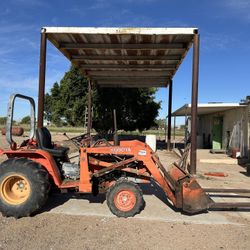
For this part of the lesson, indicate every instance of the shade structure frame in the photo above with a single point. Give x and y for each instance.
(156, 51)
(138, 50)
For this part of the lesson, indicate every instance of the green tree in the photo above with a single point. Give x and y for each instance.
(161, 123)
(136, 108)
(73, 95)
(48, 107)
(25, 120)
(67, 101)
(182, 127)
(3, 120)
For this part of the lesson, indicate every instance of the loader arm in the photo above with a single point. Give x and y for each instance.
(180, 187)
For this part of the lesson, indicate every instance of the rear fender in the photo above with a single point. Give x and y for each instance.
(40, 156)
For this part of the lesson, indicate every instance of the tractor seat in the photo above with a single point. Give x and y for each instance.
(44, 142)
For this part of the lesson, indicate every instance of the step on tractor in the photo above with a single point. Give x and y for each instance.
(104, 167)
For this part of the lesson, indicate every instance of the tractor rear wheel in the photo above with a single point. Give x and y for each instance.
(125, 199)
(24, 187)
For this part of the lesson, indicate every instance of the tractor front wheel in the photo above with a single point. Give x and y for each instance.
(125, 199)
(24, 187)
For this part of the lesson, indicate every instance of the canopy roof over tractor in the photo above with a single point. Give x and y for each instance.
(124, 57)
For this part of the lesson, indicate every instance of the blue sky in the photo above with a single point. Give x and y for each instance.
(223, 26)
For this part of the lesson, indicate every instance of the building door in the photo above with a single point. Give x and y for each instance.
(217, 132)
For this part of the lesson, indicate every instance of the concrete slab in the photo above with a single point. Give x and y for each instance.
(157, 208)
(220, 161)
(204, 156)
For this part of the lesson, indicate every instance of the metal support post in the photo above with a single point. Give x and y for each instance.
(195, 76)
(174, 131)
(165, 129)
(115, 129)
(42, 71)
(170, 92)
(89, 108)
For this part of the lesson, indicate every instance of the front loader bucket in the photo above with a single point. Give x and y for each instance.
(190, 197)
(182, 189)
(194, 199)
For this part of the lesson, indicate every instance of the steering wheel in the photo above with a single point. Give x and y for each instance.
(79, 140)
(99, 143)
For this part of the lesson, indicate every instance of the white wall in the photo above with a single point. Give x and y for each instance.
(230, 118)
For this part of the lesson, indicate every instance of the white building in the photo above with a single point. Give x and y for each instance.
(222, 125)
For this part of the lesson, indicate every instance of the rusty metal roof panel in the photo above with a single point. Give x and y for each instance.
(124, 57)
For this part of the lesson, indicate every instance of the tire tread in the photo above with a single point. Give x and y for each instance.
(38, 178)
(140, 204)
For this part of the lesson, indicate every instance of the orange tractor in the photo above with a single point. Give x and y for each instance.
(31, 168)
(116, 168)
(26, 176)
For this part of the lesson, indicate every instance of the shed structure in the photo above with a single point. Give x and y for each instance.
(221, 125)
(126, 58)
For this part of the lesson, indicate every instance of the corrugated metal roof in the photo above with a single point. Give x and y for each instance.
(207, 108)
(124, 57)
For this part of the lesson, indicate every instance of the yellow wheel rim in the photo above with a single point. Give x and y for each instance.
(15, 189)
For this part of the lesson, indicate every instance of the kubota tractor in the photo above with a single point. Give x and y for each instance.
(26, 176)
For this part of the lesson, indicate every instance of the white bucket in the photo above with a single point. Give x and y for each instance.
(151, 141)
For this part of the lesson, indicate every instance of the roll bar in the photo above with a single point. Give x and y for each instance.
(10, 113)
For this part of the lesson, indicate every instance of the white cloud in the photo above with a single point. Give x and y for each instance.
(141, 1)
(218, 41)
(240, 8)
(238, 4)
(5, 11)
(130, 1)
(105, 4)
(76, 10)
(8, 28)
(14, 85)
(31, 3)
(99, 4)
(24, 85)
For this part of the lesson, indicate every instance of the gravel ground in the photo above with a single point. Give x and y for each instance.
(49, 231)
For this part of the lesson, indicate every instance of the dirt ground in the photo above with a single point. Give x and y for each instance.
(84, 222)
(50, 231)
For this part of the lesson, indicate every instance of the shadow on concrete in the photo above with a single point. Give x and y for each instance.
(245, 173)
(58, 199)
(245, 164)
(154, 189)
